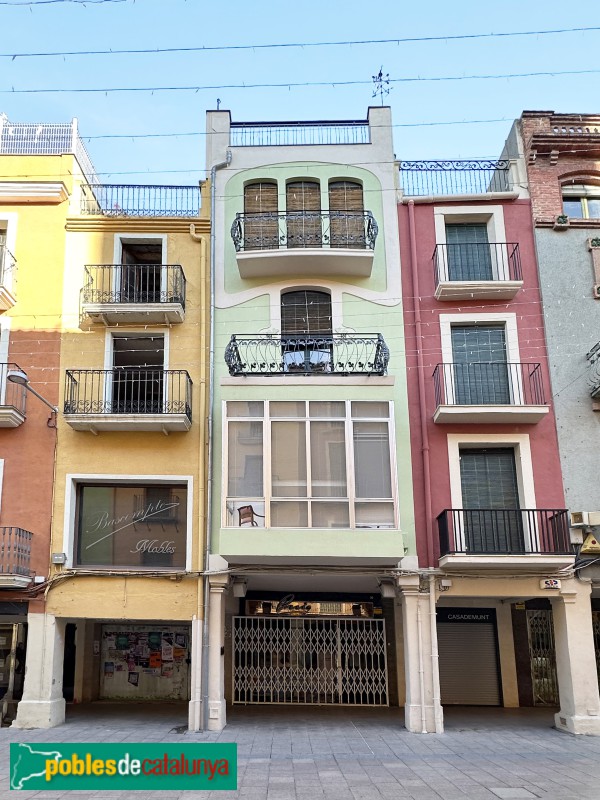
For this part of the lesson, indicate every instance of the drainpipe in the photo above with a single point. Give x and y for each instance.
(209, 457)
(435, 660)
(421, 379)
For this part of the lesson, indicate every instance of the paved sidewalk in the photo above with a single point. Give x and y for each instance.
(359, 754)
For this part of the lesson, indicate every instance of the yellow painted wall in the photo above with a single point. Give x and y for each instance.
(91, 241)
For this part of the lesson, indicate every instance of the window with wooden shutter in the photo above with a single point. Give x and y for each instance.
(346, 209)
(303, 210)
(261, 225)
(307, 343)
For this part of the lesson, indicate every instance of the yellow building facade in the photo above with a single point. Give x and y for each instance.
(124, 596)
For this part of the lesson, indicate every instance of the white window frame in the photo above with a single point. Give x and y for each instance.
(520, 442)
(492, 216)
(10, 219)
(119, 333)
(512, 347)
(262, 504)
(1, 480)
(73, 480)
(4, 345)
(147, 238)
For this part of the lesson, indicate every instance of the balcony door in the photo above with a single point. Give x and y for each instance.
(490, 496)
(306, 331)
(346, 213)
(261, 223)
(137, 385)
(141, 273)
(303, 213)
(469, 255)
(480, 369)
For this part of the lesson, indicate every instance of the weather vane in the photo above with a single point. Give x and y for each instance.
(382, 84)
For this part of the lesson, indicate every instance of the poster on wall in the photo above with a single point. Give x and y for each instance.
(181, 640)
(154, 640)
(109, 668)
(133, 678)
(167, 647)
(155, 661)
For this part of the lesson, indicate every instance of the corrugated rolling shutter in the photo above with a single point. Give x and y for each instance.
(468, 664)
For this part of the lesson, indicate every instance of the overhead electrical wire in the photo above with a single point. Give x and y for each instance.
(274, 45)
(298, 84)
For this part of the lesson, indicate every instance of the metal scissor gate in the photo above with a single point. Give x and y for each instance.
(309, 661)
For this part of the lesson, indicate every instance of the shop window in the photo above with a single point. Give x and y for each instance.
(131, 525)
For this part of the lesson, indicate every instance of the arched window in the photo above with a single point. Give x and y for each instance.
(303, 209)
(346, 208)
(261, 227)
(306, 331)
(305, 311)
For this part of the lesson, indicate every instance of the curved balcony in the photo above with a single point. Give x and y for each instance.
(327, 354)
(489, 392)
(128, 399)
(134, 293)
(477, 270)
(519, 538)
(305, 243)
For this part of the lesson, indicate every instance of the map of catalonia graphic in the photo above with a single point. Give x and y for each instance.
(34, 766)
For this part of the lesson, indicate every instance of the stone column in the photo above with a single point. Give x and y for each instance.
(43, 705)
(423, 712)
(216, 658)
(576, 660)
(195, 704)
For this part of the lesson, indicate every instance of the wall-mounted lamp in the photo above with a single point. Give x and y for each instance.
(240, 587)
(20, 378)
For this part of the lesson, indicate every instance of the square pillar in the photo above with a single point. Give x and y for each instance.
(43, 705)
(576, 661)
(195, 704)
(423, 712)
(216, 658)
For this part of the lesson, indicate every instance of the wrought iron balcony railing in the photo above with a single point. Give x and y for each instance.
(477, 261)
(331, 354)
(594, 370)
(128, 390)
(134, 283)
(15, 551)
(489, 383)
(505, 531)
(114, 200)
(12, 395)
(355, 230)
(275, 134)
(7, 262)
(423, 178)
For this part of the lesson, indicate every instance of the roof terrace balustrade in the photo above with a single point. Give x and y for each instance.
(119, 200)
(305, 242)
(454, 177)
(321, 354)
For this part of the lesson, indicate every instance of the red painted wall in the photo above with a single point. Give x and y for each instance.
(527, 307)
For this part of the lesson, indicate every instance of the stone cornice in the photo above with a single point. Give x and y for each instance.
(33, 192)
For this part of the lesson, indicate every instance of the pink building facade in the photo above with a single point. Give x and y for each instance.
(492, 529)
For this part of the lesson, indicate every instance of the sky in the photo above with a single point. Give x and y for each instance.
(481, 110)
